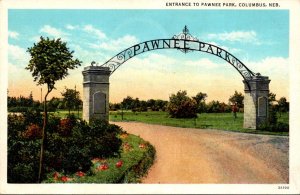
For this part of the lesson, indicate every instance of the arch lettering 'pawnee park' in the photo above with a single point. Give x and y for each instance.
(96, 77)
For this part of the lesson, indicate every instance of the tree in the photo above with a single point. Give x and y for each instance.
(271, 98)
(200, 99)
(182, 106)
(151, 104)
(160, 104)
(135, 104)
(143, 106)
(71, 98)
(55, 102)
(238, 98)
(213, 107)
(50, 62)
(127, 103)
(283, 105)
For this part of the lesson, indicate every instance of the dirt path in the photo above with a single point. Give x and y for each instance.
(211, 156)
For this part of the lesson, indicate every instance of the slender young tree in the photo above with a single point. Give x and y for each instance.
(71, 98)
(50, 62)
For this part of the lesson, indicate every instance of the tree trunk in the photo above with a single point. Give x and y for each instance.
(43, 138)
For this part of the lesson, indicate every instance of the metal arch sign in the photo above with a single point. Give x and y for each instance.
(184, 42)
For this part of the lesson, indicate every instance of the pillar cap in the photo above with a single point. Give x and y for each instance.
(98, 70)
(258, 76)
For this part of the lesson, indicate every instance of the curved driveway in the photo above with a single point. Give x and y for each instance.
(185, 155)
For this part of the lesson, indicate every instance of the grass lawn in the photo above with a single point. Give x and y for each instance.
(222, 121)
(65, 113)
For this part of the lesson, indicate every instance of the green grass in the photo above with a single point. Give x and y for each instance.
(136, 162)
(222, 121)
(65, 113)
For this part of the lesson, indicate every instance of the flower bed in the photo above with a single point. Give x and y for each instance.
(136, 157)
(70, 146)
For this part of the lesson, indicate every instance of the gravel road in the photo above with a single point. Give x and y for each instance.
(186, 155)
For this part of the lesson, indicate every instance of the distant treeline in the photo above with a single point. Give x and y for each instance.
(214, 106)
(22, 104)
(137, 105)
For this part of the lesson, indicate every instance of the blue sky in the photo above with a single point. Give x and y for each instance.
(258, 38)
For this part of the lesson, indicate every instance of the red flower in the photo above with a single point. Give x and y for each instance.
(142, 146)
(80, 173)
(55, 175)
(65, 178)
(103, 167)
(119, 164)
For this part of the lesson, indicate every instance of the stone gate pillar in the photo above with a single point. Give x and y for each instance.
(256, 109)
(95, 93)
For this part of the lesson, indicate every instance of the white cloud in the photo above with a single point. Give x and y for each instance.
(277, 69)
(92, 30)
(17, 55)
(55, 32)
(87, 56)
(270, 66)
(235, 36)
(118, 44)
(71, 27)
(13, 34)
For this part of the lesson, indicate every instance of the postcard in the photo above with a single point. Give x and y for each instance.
(103, 97)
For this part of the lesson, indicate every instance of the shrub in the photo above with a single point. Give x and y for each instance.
(73, 151)
(68, 154)
(33, 116)
(103, 136)
(70, 145)
(15, 126)
(66, 125)
(33, 131)
(182, 106)
(278, 127)
(272, 116)
(273, 124)
(22, 153)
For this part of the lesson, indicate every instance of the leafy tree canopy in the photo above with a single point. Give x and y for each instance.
(71, 98)
(182, 106)
(50, 61)
(238, 98)
(200, 97)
